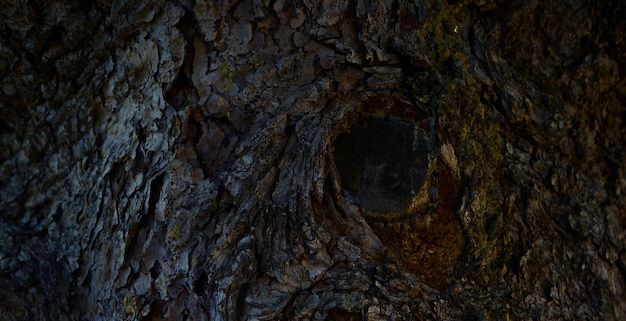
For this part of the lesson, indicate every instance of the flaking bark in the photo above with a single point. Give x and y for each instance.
(177, 160)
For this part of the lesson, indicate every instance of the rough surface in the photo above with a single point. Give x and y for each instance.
(175, 160)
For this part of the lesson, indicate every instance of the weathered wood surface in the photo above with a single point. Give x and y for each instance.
(177, 160)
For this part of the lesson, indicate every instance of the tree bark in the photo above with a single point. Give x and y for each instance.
(312, 160)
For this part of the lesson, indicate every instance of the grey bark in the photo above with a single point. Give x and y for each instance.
(312, 160)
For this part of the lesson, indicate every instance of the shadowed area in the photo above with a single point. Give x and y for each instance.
(382, 163)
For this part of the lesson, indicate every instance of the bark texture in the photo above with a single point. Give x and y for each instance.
(312, 160)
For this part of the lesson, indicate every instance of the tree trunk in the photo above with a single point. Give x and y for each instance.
(312, 160)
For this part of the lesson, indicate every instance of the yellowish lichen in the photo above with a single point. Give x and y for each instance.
(129, 305)
(175, 233)
(227, 75)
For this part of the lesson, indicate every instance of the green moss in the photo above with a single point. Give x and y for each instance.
(477, 139)
(442, 30)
